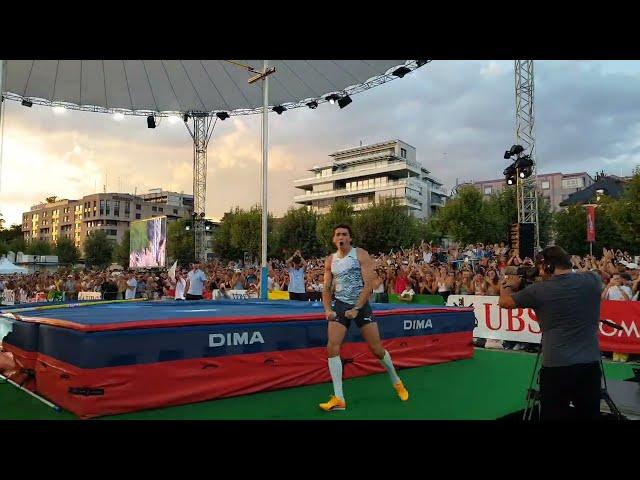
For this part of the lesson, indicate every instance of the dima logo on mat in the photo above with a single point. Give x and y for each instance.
(417, 324)
(221, 339)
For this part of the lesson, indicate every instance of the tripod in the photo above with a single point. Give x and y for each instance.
(533, 395)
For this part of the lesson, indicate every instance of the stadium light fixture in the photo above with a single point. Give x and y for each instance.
(344, 101)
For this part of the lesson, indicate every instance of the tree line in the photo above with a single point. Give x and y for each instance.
(468, 217)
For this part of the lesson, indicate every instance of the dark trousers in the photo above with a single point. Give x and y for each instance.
(578, 384)
(193, 297)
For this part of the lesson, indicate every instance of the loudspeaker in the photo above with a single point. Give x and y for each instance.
(527, 240)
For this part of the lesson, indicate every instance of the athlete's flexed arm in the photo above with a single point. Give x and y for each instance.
(326, 290)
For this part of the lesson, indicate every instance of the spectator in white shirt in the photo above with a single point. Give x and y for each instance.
(616, 290)
(132, 284)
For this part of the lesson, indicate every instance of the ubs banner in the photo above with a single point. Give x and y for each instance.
(520, 324)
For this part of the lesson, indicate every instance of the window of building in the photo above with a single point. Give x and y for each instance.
(94, 204)
(127, 208)
(154, 209)
(160, 209)
(112, 232)
(101, 207)
(573, 183)
(545, 185)
(403, 152)
(107, 207)
(137, 216)
(116, 208)
(138, 206)
(487, 190)
(175, 211)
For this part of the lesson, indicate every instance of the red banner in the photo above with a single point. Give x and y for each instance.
(627, 315)
(591, 223)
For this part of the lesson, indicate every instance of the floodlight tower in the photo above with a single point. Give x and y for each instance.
(526, 188)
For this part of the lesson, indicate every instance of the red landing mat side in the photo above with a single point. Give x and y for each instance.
(112, 390)
(25, 362)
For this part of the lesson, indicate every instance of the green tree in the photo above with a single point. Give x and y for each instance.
(571, 229)
(121, 252)
(38, 247)
(11, 233)
(341, 212)
(385, 226)
(464, 218)
(98, 249)
(18, 245)
(500, 211)
(241, 231)
(297, 230)
(181, 242)
(4, 248)
(626, 212)
(66, 251)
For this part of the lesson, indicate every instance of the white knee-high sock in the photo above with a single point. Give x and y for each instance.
(388, 364)
(335, 369)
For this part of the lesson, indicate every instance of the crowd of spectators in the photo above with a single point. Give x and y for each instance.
(424, 269)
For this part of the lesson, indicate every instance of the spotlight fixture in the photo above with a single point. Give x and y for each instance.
(420, 63)
(207, 227)
(279, 109)
(58, 110)
(401, 72)
(118, 116)
(187, 228)
(151, 121)
(510, 174)
(507, 154)
(344, 101)
(332, 98)
(222, 115)
(312, 105)
(173, 119)
(27, 103)
(516, 150)
(185, 117)
(201, 214)
(524, 165)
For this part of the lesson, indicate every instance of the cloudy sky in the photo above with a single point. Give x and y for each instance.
(458, 114)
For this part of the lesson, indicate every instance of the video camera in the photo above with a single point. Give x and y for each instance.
(528, 275)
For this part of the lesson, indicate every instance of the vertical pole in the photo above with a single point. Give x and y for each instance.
(265, 159)
(591, 249)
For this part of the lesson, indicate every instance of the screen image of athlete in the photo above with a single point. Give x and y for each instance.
(350, 274)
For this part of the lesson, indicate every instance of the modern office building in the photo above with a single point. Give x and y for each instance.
(370, 173)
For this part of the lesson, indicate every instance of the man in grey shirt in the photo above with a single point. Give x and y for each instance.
(567, 307)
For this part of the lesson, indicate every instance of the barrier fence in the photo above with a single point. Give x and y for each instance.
(521, 325)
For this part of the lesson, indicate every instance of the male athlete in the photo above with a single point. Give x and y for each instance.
(351, 271)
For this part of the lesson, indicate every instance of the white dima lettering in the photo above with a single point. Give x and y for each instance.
(236, 338)
(417, 324)
(240, 338)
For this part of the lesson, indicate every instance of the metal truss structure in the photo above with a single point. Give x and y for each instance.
(527, 197)
(201, 132)
(351, 90)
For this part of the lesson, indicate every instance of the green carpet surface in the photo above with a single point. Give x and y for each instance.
(488, 386)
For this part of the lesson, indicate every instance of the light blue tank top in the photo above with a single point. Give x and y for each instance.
(347, 277)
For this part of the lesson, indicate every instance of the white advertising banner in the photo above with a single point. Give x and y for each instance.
(518, 325)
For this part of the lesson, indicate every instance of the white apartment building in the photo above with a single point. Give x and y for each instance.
(369, 173)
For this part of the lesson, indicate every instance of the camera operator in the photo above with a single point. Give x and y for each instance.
(567, 307)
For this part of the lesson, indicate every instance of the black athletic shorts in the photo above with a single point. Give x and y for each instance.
(365, 314)
(194, 297)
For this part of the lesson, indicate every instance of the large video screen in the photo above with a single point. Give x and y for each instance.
(148, 247)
